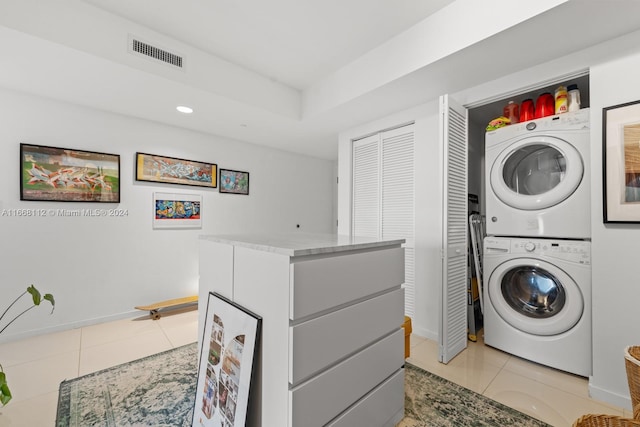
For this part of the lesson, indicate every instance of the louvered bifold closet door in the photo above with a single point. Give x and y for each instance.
(453, 325)
(366, 187)
(398, 199)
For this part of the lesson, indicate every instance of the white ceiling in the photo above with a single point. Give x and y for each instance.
(289, 74)
(296, 42)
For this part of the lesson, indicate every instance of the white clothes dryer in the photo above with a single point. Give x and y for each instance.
(537, 178)
(537, 300)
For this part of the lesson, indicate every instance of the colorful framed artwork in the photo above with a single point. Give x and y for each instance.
(68, 175)
(225, 369)
(234, 182)
(172, 210)
(169, 170)
(621, 163)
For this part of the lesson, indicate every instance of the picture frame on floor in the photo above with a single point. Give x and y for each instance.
(68, 175)
(226, 364)
(621, 163)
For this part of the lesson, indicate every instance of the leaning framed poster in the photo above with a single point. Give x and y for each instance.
(229, 348)
(170, 170)
(68, 175)
(621, 163)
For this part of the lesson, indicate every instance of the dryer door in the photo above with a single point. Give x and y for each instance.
(535, 296)
(536, 172)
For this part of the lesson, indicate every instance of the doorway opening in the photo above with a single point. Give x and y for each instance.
(479, 116)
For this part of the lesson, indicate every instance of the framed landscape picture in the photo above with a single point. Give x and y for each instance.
(169, 170)
(234, 182)
(621, 163)
(68, 175)
(227, 358)
(177, 210)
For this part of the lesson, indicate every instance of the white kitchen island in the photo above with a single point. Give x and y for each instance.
(332, 346)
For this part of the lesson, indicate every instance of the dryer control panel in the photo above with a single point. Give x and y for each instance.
(577, 251)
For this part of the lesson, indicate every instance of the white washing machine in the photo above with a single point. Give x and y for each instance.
(538, 181)
(537, 300)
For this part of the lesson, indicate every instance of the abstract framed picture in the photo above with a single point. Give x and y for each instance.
(170, 170)
(234, 182)
(225, 368)
(68, 175)
(171, 210)
(621, 163)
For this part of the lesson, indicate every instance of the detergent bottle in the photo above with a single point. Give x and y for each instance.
(511, 111)
(562, 103)
(574, 97)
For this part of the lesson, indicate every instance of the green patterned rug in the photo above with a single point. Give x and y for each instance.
(432, 401)
(159, 391)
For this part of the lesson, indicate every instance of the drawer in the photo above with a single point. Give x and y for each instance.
(384, 406)
(322, 341)
(323, 283)
(321, 399)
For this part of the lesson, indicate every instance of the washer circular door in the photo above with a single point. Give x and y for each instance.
(535, 296)
(536, 172)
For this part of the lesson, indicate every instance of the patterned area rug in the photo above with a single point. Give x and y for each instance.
(433, 401)
(156, 391)
(159, 391)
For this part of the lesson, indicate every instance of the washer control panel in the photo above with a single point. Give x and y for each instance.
(575, 120)
(577, 251)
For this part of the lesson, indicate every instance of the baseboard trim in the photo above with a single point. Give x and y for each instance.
(608, 396)
(424, 333)
(68, 326)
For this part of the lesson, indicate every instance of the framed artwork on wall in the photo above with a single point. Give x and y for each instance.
(172, 210)
(68, 175)
(621, 163)
(234, 182)
(226, 364)
(170, 170)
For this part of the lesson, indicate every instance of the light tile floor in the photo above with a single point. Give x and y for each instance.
(36, 366)
(553, 396)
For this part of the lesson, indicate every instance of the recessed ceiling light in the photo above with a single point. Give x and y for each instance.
(184, 109)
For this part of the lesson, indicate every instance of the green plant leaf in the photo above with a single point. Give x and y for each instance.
(35, 294)
(5, 393)
(49, 298)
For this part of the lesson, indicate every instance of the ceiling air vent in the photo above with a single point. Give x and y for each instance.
(138, 47)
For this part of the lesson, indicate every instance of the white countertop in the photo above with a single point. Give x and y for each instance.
(300, 244)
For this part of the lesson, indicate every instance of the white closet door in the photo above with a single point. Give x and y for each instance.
(366, 187)
(398, 199)
(453, 323)
(384, 194)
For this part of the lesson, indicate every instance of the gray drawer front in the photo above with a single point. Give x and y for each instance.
(321, 342)
(374, 409)
(324, 283)
(321, 399)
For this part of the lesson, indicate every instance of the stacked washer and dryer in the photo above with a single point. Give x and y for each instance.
(537, 253)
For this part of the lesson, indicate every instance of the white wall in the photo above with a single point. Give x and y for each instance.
(428, 222)
(100, 268)
(616, 282)
(614, 250)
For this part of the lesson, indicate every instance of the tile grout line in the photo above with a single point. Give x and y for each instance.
(80, 350)
(493, 379)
